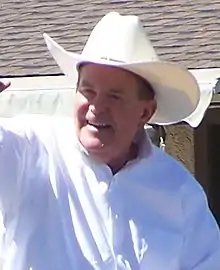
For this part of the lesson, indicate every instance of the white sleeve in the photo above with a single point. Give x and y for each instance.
(201, 246)
(14, 146)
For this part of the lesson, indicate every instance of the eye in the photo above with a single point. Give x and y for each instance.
(87, 92)
(115, 97)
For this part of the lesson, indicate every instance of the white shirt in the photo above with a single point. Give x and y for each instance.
(63, 210)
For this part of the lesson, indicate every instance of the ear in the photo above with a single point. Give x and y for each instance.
(149, 108)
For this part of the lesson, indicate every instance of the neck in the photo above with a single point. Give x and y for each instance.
(117, 164)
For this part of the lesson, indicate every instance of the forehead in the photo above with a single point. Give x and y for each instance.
(106, 75)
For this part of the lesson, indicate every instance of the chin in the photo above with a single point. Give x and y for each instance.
(92, 144)
(96, 149)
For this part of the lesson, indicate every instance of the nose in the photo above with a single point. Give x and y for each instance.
(98, 104)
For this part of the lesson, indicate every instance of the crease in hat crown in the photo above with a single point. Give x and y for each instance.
(121, 41)
(121, 38)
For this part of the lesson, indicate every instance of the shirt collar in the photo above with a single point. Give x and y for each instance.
(145, 149)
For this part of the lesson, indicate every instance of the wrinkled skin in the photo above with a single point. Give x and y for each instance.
(109, 113)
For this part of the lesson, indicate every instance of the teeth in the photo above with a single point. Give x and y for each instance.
(98, 124)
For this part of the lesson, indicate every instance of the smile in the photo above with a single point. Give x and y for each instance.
(98, 125)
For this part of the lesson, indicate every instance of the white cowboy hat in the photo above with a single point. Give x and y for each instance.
(121, 41)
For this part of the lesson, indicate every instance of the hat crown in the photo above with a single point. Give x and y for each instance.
(119, 38)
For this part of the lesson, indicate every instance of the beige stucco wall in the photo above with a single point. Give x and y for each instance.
(180, 144)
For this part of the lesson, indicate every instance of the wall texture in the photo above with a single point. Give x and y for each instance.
(180, 144)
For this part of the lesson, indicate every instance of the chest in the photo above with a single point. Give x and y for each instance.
(74, 222)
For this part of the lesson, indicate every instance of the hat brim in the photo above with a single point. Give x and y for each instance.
(176, 89)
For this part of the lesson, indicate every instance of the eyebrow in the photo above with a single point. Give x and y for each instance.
(89, 84)
(86, 83)
(116, 91)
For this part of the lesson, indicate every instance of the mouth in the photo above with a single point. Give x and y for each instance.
(98, 125)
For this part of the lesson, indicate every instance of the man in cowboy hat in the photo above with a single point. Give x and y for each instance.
(93, 192)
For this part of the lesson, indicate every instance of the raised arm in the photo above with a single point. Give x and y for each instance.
(13, 149)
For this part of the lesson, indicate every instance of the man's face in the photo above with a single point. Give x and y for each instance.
(108, 111)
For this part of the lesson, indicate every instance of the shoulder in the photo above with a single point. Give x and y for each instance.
(191, 195)
(175, 178)
(174, 174)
